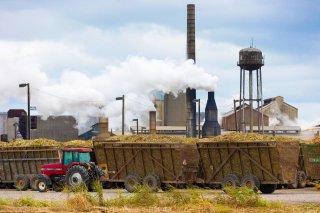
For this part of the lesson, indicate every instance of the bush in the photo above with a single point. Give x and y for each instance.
(97, 187)
(142, 198)
(3, 202)
(241, 197)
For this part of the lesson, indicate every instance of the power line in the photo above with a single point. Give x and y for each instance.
(68, 99)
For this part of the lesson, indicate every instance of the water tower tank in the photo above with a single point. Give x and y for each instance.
(250, 59)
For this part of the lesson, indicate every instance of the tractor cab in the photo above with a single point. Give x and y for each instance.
(69, 157)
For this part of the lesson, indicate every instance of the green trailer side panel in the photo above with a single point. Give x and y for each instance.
(311, 157)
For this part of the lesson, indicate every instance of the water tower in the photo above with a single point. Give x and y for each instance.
(250, 61)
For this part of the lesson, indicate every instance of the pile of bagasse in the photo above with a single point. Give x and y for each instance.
(232, 137)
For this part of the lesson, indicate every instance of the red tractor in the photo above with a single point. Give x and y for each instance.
(77, 167)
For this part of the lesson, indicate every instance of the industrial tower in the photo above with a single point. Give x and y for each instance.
(250, 60)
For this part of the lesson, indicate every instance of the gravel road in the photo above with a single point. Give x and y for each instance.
(287, 196)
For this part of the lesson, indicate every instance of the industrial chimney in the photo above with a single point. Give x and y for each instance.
(152, 122)
(191, 54)
(103, 126)
(211, 126)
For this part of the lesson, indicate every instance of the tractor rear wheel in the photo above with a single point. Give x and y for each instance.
(22, 182)
(77, 176)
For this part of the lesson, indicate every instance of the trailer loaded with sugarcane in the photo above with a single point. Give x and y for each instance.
(259, 165)
(161, 163)
(20, 166)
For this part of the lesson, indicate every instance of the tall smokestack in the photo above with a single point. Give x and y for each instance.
(191, 54)
(104, 127)
(152, 122)
(211, 126)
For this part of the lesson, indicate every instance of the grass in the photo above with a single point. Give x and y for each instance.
(241, 197)
(190, 200)
(317, 186)
(32, 202)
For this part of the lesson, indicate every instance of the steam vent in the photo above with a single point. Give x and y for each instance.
(211, 126)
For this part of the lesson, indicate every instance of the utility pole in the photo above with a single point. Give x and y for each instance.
(28, 115)
(198, 100)
(122, 98)
(136, 119)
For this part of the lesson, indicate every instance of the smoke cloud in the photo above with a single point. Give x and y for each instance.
(85, 96)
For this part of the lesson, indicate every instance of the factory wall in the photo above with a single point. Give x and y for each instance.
(277, 106)
(228, 122)
(3, 123)
(175, 110)
(59, 128)
(13, 129)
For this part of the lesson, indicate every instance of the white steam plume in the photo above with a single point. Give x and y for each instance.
(81, 95)
(278, 118)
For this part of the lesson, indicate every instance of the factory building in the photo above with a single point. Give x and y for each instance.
(175, 110)
(16, 124)
(3, 125)
(59, 128)
(229, 118)
(13, 125)
(277, 108)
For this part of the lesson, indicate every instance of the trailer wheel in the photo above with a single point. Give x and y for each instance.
(22, 183)
(34, 182)
(268, 188)
(43, 183)
(152, 182)
(132, 182)
(293, 185)
(77, 175)
(230, 181)
(251, 181)
(302, 179)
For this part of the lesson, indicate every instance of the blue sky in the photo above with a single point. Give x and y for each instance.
(40, 40)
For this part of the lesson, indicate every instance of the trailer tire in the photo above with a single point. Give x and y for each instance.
(268, 188)
(302, 179)
(77, 175)
(152, 182)
(22, 182)
(293, 185)
(43, 183)
(34, 182)
(250, 181)
(230, 181)
(132, 183)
